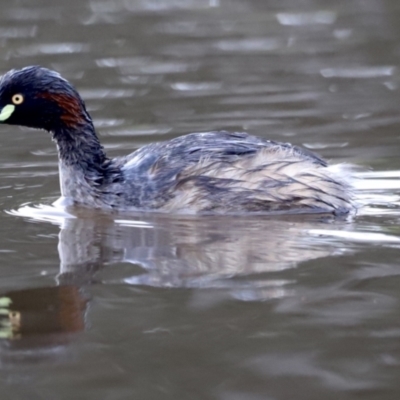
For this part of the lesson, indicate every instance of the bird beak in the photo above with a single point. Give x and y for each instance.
(6, 112)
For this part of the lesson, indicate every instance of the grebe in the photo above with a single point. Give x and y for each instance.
(211, 172)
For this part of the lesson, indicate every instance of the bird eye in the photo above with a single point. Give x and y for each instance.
(17, 99)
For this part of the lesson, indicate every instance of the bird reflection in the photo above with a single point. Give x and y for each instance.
(188, 252)
(246, 257)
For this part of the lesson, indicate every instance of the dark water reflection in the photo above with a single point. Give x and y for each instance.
(155, 306)
(191, 252)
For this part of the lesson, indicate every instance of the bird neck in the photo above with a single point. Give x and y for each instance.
(80, 148)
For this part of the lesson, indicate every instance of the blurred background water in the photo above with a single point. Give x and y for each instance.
(148, 307)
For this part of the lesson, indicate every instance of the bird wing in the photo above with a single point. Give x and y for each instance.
(204, 171)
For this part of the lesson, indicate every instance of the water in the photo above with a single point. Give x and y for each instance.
(156, 306)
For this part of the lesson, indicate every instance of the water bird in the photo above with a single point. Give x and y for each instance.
(208, 172)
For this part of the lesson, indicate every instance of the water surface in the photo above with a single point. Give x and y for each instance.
(156, 306)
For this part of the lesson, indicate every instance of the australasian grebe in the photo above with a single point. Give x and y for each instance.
(217, 172)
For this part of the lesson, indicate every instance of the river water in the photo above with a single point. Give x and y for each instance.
(148, 306)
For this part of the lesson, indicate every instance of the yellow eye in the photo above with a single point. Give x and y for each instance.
(17, 99)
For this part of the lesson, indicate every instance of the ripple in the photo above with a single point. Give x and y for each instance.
(96, 94)
(134, 223)
(358, 72)
(249, 45)
(195, 87)
(107, 123)
(138, 6)
(18, 32)
(140, 65)
(272, 99)
(53, 48)
(31, 13)
(298, 19)
(121, 62)
(54, 214)
(377, 180)
(366, 237)
(140, 131)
